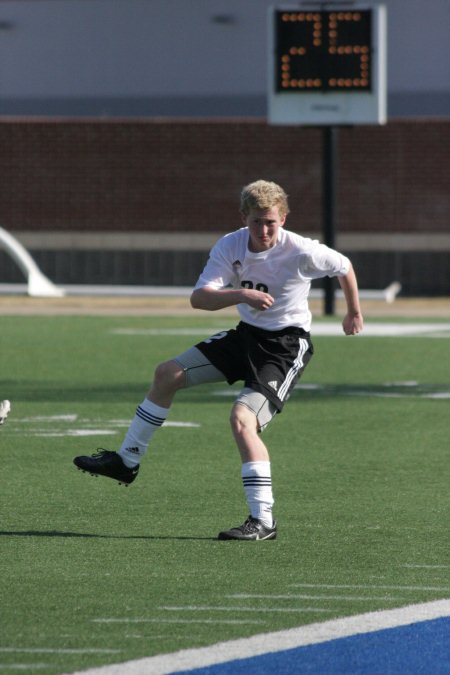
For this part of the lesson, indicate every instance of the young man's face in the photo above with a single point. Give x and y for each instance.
(263, 226)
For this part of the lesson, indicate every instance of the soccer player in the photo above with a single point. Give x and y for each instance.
(266, 271)
(5, 409)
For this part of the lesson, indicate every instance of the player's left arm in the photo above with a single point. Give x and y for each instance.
(353, 320)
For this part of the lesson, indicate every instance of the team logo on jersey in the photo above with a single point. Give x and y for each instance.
(273, 384)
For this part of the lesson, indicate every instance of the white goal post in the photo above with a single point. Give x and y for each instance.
(38, 284)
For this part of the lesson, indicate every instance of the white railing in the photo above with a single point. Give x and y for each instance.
(38, 285)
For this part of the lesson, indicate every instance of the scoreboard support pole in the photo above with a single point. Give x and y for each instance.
(329, 170)
(327, 68)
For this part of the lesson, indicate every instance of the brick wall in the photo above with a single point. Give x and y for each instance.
(174, 176)
(395, 178)
(186, 175)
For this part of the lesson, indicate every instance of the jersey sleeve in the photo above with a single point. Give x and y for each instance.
(218, 272)
(322, 261)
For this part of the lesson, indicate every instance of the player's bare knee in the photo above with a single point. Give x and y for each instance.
(242, 419)
(169, 376)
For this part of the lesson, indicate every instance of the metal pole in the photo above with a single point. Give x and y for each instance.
(329, 206)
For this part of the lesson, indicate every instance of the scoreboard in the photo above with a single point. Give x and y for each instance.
(327, 66)
(323, 51)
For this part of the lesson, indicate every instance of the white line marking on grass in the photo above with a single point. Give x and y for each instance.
(50, 418)
(335, 390)
(85, 427)
(187, 659)
(320, 329)
(219, 621)
(226, 392)
(387, 329)
(295, 596)
(391, 588)
(24, 666)
(56, 650)
(206, 608)
(402, 383)
(427, 567)
(189, 425)
(166, 331)
(74, 433)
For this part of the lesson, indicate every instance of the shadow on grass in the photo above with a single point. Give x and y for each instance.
(85, 535)
(56, 392)
(62, 392)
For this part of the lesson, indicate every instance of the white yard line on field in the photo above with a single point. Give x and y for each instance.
(367, 586)
(50, 418)
(427, 567)
(72, 426)
(248, 647)
(28, 667)
(296, 596)
(383, 390)
(159, 621)
(265, 610)
(381, 329)
(55, 650)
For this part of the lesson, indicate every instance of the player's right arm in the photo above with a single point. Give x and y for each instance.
(217, 286)
(212, 299)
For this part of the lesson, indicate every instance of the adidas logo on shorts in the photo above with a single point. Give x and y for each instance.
(273, 384)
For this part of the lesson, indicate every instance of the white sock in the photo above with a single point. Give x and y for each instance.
(149, 417)
(257, 480)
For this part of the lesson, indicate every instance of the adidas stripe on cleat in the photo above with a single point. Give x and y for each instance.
(252, 530)
(107, 463)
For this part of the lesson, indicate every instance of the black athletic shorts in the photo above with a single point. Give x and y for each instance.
(268, 361)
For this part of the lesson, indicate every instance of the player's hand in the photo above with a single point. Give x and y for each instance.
(353, 323)
(258, 299)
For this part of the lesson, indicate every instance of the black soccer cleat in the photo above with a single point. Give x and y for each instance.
(251, 530)
(107, 463)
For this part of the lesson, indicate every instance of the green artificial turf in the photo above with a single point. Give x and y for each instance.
(93, 573)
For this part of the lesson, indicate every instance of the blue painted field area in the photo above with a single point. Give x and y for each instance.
(422, 648)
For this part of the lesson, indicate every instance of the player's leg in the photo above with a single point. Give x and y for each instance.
(246, 428)
(191, 368)
(251, 413)
(270, 383)
(152, 412)
(187, 369)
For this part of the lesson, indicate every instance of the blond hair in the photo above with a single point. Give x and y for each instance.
(263, 194)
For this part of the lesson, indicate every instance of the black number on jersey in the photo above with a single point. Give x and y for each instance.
(258, 287)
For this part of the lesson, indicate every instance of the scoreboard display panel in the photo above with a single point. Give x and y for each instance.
(323, 51)
(327, 67)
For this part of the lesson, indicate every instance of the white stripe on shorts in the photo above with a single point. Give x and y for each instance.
(292, 373)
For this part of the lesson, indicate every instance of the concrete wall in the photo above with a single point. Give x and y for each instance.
(187, 57)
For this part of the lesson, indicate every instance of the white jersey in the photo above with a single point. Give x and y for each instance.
(285, 271)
